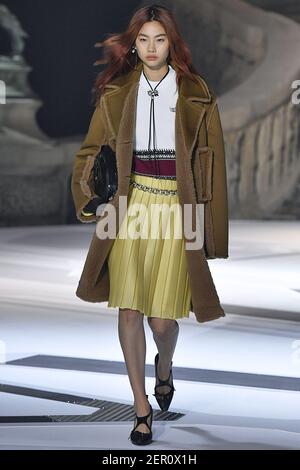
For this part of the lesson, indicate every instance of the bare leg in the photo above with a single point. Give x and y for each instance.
(165, 334)
(133, 342)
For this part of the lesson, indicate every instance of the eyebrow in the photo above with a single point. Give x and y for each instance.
(161, 34)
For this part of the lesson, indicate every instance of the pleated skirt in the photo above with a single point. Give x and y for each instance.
(147, 262)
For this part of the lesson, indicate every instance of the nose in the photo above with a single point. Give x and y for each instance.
(151, 49)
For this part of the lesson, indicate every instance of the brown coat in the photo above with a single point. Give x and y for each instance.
(201, 178)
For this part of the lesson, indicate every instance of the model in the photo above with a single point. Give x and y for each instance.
(162, 120)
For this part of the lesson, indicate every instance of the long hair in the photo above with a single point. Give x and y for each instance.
(120, 60)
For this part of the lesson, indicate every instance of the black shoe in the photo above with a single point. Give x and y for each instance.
(142, 438)
(163, 399)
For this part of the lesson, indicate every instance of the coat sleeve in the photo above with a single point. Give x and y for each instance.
(219, 202)
(81, 181)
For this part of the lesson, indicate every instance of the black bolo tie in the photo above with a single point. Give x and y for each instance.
(153, 92)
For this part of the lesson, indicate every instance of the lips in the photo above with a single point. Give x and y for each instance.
(151, 57)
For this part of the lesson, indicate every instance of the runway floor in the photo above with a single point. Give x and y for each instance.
(63, 381)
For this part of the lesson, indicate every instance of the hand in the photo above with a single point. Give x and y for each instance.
(91, 207)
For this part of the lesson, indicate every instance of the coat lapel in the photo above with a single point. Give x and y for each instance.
(190, 107)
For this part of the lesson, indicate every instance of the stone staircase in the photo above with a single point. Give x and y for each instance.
(289, 8)
(290, 209)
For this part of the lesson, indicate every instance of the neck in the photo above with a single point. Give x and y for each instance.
(155, 75)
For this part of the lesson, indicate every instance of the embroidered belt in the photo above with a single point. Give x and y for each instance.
(160, 154)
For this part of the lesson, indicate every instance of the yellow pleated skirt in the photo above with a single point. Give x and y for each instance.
(147, 262)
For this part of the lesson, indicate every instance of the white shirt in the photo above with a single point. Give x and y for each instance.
(164, 113)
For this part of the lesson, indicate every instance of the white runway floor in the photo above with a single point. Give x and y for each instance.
(63, 382)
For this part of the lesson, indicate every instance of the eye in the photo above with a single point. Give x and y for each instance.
(161, 39)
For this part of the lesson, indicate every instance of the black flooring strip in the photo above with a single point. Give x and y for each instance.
(106, 411)
(180, 373)
(269, 313)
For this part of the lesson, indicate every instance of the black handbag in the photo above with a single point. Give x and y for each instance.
(105, 174)
(105, 178)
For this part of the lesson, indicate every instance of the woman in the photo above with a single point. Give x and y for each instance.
(161, 119)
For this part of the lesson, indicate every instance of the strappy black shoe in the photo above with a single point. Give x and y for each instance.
(163, 399)
(142, 438)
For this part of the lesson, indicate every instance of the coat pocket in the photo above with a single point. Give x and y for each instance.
(202, 166)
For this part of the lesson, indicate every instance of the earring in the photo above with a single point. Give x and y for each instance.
(133, 50)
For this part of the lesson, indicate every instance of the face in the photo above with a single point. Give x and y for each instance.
(152, 41)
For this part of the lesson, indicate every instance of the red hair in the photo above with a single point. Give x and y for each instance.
(118, 55)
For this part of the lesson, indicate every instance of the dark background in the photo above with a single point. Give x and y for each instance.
(60, 49)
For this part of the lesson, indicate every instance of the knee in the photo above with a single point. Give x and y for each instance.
(162, 327)
(130, 316)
